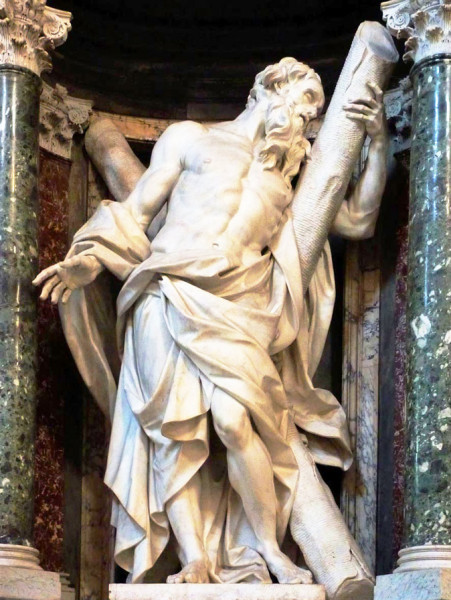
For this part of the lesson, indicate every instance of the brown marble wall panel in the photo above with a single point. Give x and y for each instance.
(53, 361)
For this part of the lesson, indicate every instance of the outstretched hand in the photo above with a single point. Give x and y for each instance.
(64, 277)
(369, 111)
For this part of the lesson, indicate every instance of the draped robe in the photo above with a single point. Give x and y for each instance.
(187, 323)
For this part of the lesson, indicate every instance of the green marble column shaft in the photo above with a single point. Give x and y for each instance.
(428, 468)
(19, 130)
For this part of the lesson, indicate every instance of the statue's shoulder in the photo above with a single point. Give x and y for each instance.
(180, 135)
(185, 128)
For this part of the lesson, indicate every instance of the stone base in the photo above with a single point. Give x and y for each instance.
(23, 557)
(17, 583)
(192, 591)
(67, 590)
(426, 584)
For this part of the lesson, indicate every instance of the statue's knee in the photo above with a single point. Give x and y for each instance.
(234, 428)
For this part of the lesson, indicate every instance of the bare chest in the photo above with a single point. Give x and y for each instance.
(228, 162)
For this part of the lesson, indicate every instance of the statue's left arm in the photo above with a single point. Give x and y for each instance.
(356, 219)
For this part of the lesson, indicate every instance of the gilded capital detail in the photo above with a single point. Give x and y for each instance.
(28, 30)
(425, 24)
(62, 116)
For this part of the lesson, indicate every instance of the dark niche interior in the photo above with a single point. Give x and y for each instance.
(197, 60)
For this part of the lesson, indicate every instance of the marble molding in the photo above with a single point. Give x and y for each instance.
(216, 592)
(28, 30)
(425, 24)
(24, 557)
(61, 117)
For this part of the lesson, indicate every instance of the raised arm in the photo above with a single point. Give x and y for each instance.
(356, 219)
(166, 166)
(143, 204)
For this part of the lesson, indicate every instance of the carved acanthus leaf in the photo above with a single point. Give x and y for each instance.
(398, 108)
(28, 30)
(62, 116)
(426, 24)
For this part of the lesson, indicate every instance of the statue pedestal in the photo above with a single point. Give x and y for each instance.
(213, 591)
(17, 583)
(424, 584)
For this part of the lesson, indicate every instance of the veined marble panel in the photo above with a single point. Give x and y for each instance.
(360, 391)
(360, 386)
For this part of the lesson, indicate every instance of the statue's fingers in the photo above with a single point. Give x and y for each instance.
(377, 91)
(359, 117)
(368, 102)
(70, 262)
(49, 285)
(66, 295)
(45, 274)
(57, 291)
(358, 108)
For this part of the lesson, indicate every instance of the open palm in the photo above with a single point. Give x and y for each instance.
(64, 277)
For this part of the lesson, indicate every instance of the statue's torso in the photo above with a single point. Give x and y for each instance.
(224, 199)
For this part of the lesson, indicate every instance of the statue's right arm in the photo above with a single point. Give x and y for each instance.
(166, 166)
(144, 203)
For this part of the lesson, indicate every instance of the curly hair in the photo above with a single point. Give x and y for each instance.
(285, 145)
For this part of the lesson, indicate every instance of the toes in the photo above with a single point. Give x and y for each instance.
(307, 577)
(191, 578)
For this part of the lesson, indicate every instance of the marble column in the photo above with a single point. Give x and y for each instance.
(27, 31)
(427, 503)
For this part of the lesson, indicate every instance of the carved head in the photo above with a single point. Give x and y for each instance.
(292, 94)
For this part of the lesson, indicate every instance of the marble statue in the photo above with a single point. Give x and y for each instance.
(213, 370)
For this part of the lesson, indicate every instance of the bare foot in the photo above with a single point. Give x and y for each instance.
(285, 570)
(194, 572)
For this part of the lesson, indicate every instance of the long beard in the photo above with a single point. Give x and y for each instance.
(285, 145)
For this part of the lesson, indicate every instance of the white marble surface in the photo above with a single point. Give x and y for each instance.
(427, 584)
(216, 592)
(28, 584)
(415, 21)
(154, 473)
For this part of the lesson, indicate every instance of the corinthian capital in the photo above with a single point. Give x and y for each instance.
(426, 24)
(28, 30)
(62, 116)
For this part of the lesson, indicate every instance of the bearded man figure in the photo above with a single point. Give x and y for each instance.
(211, 323)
